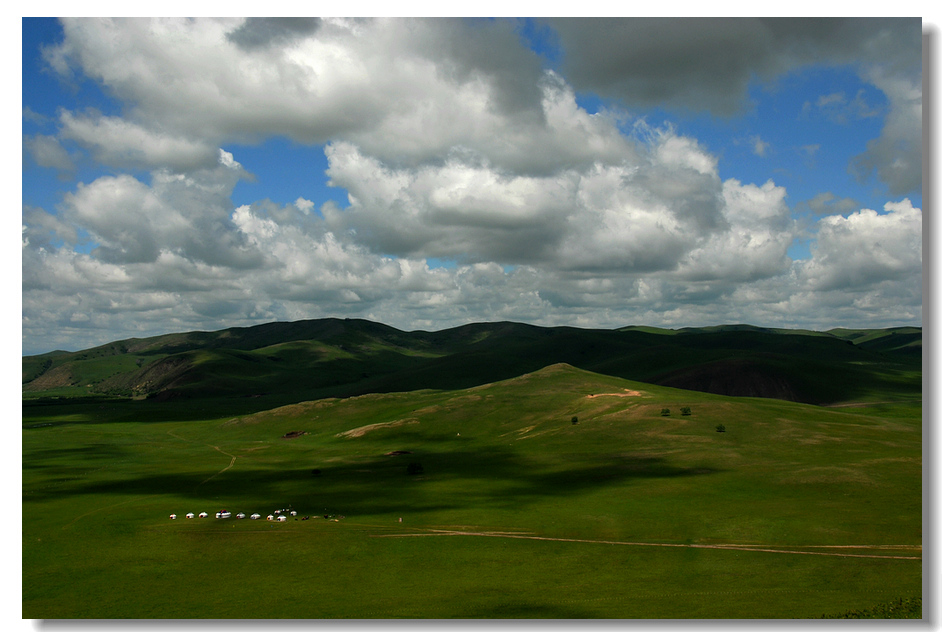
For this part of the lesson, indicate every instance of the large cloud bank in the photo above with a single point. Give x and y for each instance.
(455, 144)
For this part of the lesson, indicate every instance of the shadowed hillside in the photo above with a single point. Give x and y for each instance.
(285, 362)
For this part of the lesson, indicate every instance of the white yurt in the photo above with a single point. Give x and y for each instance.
(271, 517)
(173, 516)
(189, 515)
(240, 515)
(203, 514)
(282, 518)
(294, 513)
(255, 516)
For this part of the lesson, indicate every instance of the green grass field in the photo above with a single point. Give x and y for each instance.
(795, 511)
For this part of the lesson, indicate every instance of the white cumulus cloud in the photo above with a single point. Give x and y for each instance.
(456, 143)
(866, 248)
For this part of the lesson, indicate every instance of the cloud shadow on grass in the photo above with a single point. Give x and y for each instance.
(378, 484)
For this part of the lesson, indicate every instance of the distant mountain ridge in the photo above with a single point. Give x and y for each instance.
(310, 359)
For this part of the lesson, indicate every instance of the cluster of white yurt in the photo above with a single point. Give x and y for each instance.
(279, 515)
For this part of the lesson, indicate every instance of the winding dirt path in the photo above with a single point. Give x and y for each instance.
(214, 447)
(231, 463)
(94, 511)
(872, 404)
(726, 547)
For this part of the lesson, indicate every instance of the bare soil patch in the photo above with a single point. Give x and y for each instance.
(625, 393)
(362, 430)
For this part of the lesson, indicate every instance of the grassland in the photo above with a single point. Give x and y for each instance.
(795, 511)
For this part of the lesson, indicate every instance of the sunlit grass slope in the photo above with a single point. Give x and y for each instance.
(630, 512)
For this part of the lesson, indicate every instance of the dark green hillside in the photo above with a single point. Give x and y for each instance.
(814, 368)
(285, 362)
(898, 340)
(302, 358)
(650, 330)
(34, 366)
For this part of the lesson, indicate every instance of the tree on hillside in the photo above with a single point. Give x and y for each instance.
(575, 420)
(685, 410)
(665, 412)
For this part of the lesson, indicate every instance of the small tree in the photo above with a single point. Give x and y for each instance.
(665, 412)
(575, 420)
(414, 468)
(685, 410)
(720, 428)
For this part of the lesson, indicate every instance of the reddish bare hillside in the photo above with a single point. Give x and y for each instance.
(57, 377)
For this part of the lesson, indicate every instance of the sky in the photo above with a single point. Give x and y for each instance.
(199, 174)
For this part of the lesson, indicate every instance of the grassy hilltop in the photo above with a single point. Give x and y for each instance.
(556, 492)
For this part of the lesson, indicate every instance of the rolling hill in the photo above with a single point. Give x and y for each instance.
(558, 493)
(284, 362)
